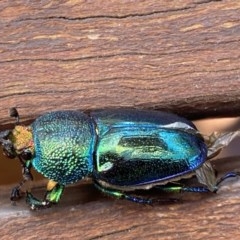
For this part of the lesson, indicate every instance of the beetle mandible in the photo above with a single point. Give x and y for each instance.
(122, 150)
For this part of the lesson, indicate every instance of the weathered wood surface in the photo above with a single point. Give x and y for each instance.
(84, 213)
(181, 56)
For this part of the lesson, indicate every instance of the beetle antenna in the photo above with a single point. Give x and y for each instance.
(14, 113)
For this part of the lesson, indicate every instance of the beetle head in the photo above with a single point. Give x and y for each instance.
(19, 141)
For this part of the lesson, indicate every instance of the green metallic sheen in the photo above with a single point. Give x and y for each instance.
(142, 147)
(64, 144)
(121, 150)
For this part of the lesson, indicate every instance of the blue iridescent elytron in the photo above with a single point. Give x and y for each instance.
(122, 150)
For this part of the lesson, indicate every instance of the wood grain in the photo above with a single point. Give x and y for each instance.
(84, 213)
(179, 56)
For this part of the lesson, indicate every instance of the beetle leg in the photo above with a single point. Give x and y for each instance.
(52, 196)
(174, 188)
(122, 195)
(35, 203)
(132, 198)
(179, 188)
(226, 176)
(54, 191)
(16, 191)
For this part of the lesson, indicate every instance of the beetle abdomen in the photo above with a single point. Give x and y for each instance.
(132, 152)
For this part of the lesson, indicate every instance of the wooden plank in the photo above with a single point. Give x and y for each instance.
(84, 213)
(74, 55)
(179, 56)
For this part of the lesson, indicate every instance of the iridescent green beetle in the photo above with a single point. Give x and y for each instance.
(122, 150)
